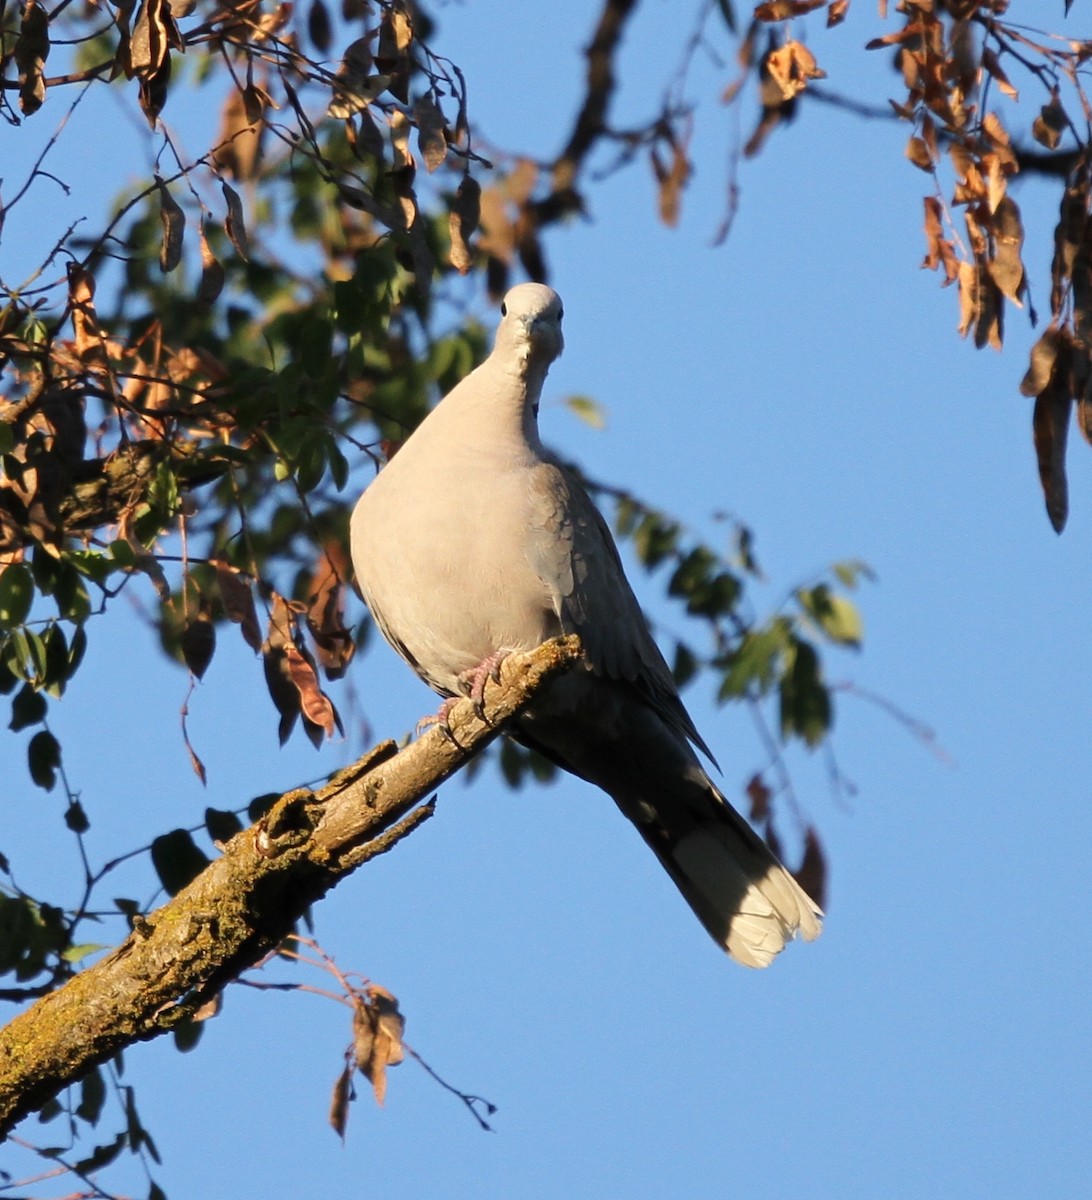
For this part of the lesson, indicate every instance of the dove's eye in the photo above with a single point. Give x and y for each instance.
(504, 310)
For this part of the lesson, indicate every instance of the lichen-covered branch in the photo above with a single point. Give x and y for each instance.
(246, 901)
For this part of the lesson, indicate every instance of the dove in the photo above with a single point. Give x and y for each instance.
(474, 542)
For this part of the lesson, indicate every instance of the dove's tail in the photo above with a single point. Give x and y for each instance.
(743, 896)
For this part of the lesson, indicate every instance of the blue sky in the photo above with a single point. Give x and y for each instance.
(807, 377)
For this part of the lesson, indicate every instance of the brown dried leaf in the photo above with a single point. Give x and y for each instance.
(995, 181)
(81, 300)
(989, 328)
(1044, 355)
(325, 613)
(759, 796)
(785, 10)
(836, 12)
(212, 274)
(672, 180)
(378, 1029)
(198, 643)
(1051, 123)
(1069, 237)
(173, 220)
(239, 139)
(234, 222)
(992, 65)
(355, 87)
(319, 27)
(522, 181)
(364, 138)
(969, 302)
(462, 221)
(498, 239)
(153, 33)
(939, 249)
(237, 597)
(400, 131)
(1050, 428)
(314, 703)
(1000, 143)
(30, 53)
(195, 761)
(790, 67)
(1084, 412)
(1006, 267)
(392, 51)
(339, 1101)
(918, 153)
(431, 141)
(278, 678)
(812, 872)
(909, 32)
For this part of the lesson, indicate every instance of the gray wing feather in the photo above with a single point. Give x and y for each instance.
(571, 549)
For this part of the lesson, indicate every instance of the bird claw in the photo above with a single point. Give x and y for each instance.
(473, 681)
(441, 719)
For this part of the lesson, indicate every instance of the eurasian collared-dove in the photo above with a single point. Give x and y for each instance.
(473, 542)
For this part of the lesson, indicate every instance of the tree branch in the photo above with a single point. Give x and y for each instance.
(243, 904)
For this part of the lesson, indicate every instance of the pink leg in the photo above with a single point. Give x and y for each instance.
(472, 683)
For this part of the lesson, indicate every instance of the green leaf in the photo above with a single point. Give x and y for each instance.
(221, 824)
(138, 1135)
(92, 1096)
(9, 679)
(836, 616)
(685, 666)
(186, 1035)
(339, 467)
(177, 860)
(16, 594)
(260, 805)
(7, 437)
(130, 908)
(123, 553)
(28, 708)
(76, 650)
(755, 661)
(43, 758)
(588, 410)
(805, 702)
(101, 1156)
(70, 592)
(654, 539)
(75, 817)
(851, 570)
(155, 1192)
(56, 660)
(95, 565)
(80, 951)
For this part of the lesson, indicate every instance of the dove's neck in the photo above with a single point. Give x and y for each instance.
(519, 379)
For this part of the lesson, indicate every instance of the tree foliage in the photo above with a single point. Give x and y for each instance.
(196, 388)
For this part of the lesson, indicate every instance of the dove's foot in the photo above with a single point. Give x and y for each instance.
(441, 719)
(473, 681)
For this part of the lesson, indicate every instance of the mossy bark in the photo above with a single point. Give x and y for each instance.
(246, 901)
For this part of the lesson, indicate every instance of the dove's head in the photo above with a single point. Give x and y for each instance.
(530, 326)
